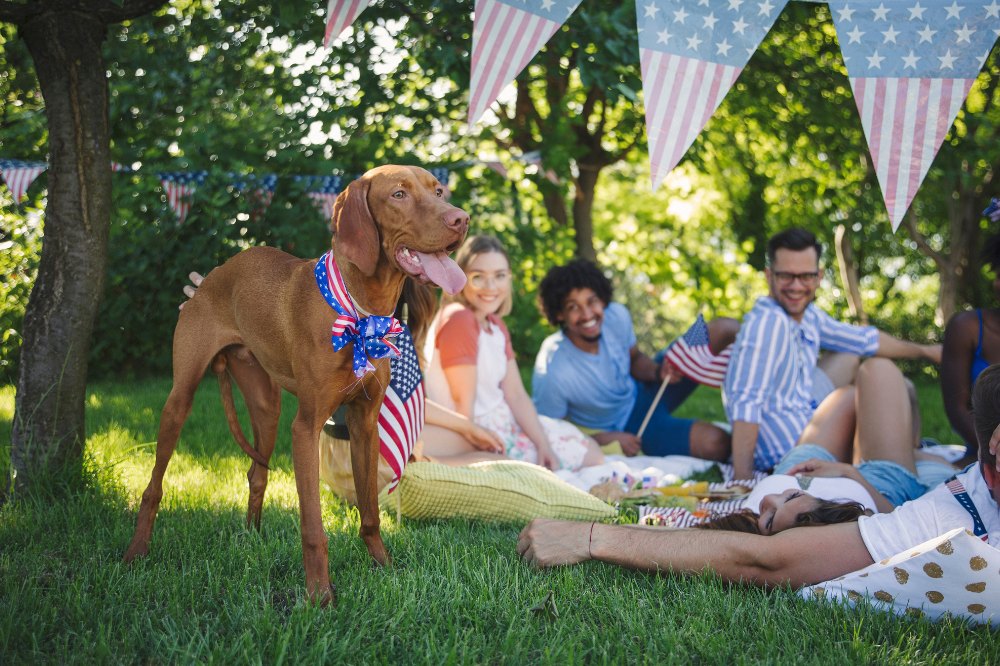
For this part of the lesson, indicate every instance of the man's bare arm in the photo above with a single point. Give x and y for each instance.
(891, 347)
(801, 556)
(744, 446)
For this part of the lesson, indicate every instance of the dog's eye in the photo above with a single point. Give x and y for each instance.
(398, 194)
(440, 191)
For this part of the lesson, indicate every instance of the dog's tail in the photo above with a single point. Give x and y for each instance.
(226, 389)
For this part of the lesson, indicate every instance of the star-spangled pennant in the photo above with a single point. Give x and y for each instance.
(339, 15)
(506, 35)
(911, 65)
(180, 186)
(18, 175)
(691, 52)
(261, 190)
(368, 334)
(323, 191)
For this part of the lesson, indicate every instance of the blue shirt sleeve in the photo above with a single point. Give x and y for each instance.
(545, 393)
(751, 375)
(840, 337)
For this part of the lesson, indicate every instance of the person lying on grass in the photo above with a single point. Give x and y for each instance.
(893, 470)
(795, 556)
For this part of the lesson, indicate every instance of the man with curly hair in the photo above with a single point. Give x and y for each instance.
(592, 373)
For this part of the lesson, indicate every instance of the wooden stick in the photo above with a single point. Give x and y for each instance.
(659, 394)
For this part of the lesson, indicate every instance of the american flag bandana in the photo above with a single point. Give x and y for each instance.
(693, 356)
(402, 415)
(506, 35)
(911, 67)
(367, 333)
(690, 53)
(339, 15)
(180, 186)
(19, 175)
(323, 191)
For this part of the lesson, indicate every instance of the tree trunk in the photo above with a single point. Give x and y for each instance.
(583, 211)
(849, 273)
(49, 427)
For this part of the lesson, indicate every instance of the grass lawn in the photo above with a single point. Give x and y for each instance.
(213, 592)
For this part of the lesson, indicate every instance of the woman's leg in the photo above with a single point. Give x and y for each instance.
(885, 414)
(832, 425)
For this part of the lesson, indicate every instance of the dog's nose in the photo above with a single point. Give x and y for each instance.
(456, 219)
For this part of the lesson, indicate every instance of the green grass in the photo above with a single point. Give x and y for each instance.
(213, 592)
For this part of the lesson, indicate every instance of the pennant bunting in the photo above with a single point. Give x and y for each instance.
(261, 190)
(180, 186)
(911, 67)
(691, 52)
(339, 15)
(498, 167)
(323, 191)
(441, 173)
(506, 35)
(19, 175)
(116, 166)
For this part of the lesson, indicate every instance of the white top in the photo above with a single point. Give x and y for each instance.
(930, 516)
(834, 490)
(491, 368)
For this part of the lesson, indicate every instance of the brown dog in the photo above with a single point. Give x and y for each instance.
(262, 318)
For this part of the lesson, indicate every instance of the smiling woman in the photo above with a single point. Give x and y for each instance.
(472, 370)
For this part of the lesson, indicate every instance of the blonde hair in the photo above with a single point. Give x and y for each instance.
(472, 248)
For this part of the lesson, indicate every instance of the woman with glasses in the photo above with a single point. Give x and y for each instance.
(471, 369)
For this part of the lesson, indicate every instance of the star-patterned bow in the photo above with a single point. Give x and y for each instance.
(367, 333)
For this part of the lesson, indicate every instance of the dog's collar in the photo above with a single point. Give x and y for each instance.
(368, 332)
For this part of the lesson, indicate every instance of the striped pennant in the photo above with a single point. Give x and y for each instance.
(180, 186)
(911, 68)
(339, 15)
(19, 175)
(506, 35)
(689, 59)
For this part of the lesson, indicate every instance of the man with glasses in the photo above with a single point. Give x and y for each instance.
(776, 392)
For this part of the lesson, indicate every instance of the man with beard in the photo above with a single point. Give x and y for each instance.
(592, 373)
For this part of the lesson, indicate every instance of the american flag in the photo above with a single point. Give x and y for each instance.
(691, 52)
(402, 416)
(339, 15)
(19, 175)
(180, 186)
(323, 190)
(693, 356)
(506, 35)
(911, 67)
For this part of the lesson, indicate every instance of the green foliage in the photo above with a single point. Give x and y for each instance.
(151, 255)
(20, 244)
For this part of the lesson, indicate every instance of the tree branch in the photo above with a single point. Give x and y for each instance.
(918, 238)
(100, 10)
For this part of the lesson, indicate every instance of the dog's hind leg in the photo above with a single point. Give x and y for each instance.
(263, 399)
(189, 368)
(362, 421)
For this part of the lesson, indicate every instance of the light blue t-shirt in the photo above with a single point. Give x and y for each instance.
(593, 390)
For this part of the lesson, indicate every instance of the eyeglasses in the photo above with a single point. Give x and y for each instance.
(481, 280)
(807, 279)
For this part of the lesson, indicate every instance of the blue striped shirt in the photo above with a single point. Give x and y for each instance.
(769, 378)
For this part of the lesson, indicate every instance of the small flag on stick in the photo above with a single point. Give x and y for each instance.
(693, 356)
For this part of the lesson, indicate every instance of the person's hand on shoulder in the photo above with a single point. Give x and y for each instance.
(190, 291)
(823, 468)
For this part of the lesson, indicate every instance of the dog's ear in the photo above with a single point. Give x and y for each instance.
(354, 227)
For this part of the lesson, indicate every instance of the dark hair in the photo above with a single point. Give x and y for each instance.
(825, 513)
(986, 411)
(991, 253)
(793, 239)
(561, 280)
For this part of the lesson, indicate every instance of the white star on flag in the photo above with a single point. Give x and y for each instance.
(907, 87)
(506, 36)
(339, 15)
(993, 10)
(846, 13)
(651, 9)
(682, 87)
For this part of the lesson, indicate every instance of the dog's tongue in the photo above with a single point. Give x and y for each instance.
(443, 271)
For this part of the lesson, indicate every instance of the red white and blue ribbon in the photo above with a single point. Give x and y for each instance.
(368, 334)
